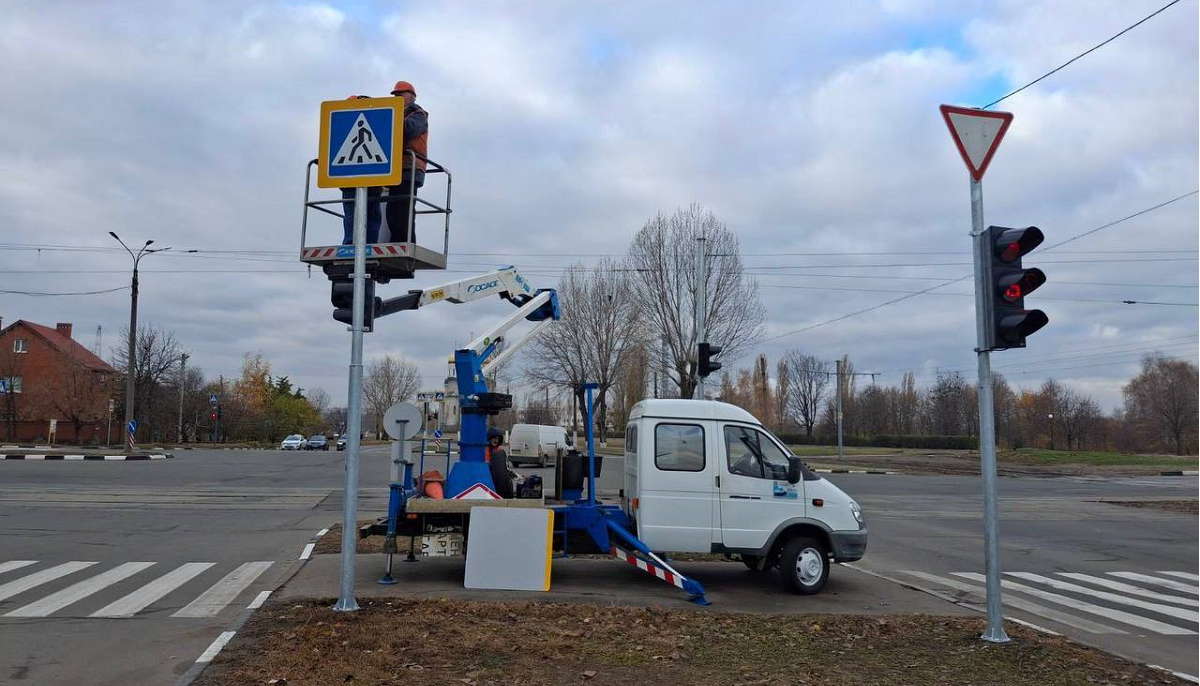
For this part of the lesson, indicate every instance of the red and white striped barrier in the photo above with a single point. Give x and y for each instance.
(648, 568)
(382, 250)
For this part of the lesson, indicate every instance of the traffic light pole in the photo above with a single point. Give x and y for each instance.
(346, 602)
(701, 310)
(987, 422)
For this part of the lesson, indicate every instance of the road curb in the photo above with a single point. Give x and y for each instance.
(856, 471)
(78, 457)
(1181, 473)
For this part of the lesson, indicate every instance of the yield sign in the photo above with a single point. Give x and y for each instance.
(977, 133)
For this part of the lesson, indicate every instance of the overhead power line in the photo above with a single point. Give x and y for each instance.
(41, 294)
(1122, 219)
(1090, 50)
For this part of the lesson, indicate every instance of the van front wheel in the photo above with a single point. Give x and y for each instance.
(803, 566)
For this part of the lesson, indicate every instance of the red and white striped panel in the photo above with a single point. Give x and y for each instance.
(647, 567)
(314, 253)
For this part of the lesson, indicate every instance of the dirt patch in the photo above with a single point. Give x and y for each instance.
(431, 642)
(331, 543)
(1180, 506)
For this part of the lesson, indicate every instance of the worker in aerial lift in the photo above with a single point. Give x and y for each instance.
(502, 474)
(374, 215)
(416, 137)
(417, 132)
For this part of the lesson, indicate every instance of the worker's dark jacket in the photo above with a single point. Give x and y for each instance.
(500, 473)
(416, 138)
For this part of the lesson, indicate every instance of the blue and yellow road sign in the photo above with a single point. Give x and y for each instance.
(362, 143)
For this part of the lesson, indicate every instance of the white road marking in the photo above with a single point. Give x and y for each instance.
(15, 564)
(1165, 583)
(141, 598)
(1032, 608)
(1117, 615)
(307, 552)
(74, 593)
(1184, 575)
(1131, 589)
(258, 600)
(224, 591)
(215, 647)
(25, 583)
(1176, 612)
(322, 532)
(1181, 675)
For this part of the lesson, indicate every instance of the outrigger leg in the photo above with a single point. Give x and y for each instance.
(655, 566)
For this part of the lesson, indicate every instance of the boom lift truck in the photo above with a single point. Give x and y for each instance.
(699, 476)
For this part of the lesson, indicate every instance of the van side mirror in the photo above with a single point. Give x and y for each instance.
(794, 473)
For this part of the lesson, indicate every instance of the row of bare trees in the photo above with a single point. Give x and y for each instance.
(1159, 413)
(624, 320)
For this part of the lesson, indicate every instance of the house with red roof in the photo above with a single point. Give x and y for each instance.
(46, 378)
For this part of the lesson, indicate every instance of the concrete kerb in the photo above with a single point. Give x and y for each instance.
(855, 471)
(82, 457)
(1192, 472)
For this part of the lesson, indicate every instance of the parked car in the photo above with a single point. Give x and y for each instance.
(537, 444)
(341, 443)
(318, 442)
(293, 442)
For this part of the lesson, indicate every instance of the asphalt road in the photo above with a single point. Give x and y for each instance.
(179, 548)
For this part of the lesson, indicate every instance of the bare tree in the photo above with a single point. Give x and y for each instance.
(1161, 401)
(82, 397)
(158, 353)
(387, 381)
(783, 392)
(808, 379)
(662, 258)
(319, 399)
(12, 366)
(596, 337)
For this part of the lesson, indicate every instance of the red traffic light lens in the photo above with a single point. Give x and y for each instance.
(1011, 252)
(1013, 292)
(1017, 284)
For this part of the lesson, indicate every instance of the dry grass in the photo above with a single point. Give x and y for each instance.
(433, 642)
(1180, 506)
(331, 543)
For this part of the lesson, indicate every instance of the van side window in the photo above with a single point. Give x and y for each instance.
(631, 439)
(679, 447)
(750, 453)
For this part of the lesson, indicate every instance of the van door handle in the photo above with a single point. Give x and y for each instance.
(744, 497)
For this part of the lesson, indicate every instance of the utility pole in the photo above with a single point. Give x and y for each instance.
(182, 381)
(131, 369)
(701, 310)
(839, 407)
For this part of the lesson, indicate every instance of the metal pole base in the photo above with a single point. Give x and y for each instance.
(995, 635)
(387, 580)
(346, 605)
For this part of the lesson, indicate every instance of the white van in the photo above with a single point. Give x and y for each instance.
(706, 477)
(537, 444)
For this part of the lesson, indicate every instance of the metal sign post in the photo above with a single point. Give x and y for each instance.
(346, 601)
(977, 134)
(701, 310)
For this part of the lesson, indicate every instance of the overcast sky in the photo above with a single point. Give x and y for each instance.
(807, 127)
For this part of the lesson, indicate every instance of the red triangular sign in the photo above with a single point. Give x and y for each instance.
(478, 492)
(977, 133)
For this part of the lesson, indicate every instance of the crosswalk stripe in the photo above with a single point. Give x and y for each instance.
(1184, 575)
(15, 564)
(1021, 604)
(1131, 589)
(144, 596)
(1176, 612)
(224, 591)
(1165, 583)
(36, 579)
(1117, 615)
(72, 594)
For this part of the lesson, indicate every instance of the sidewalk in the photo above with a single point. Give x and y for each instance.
(729, 585)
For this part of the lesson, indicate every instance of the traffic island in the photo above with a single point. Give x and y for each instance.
(85, 457)
(444, 641)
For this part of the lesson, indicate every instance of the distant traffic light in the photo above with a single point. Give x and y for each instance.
(706, 354)
(1010, 283)
(342, 296)
(213, 416)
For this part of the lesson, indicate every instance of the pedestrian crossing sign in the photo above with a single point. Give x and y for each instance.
(362, 143)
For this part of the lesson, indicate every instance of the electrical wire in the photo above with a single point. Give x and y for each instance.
(41, 294)
(1122, 219)
(1090, 50)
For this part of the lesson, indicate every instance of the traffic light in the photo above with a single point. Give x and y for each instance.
(342, 297)
(706, 354)
(1010, 283)
(212, 416)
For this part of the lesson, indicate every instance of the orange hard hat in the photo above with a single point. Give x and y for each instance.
(403, 86)
(358, 97)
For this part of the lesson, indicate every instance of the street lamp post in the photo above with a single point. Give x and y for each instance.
(131, 368)
(182, 380)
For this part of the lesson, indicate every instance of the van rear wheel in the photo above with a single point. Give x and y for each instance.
(803, 566)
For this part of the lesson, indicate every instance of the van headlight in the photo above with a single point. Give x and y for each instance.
(856, 511)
